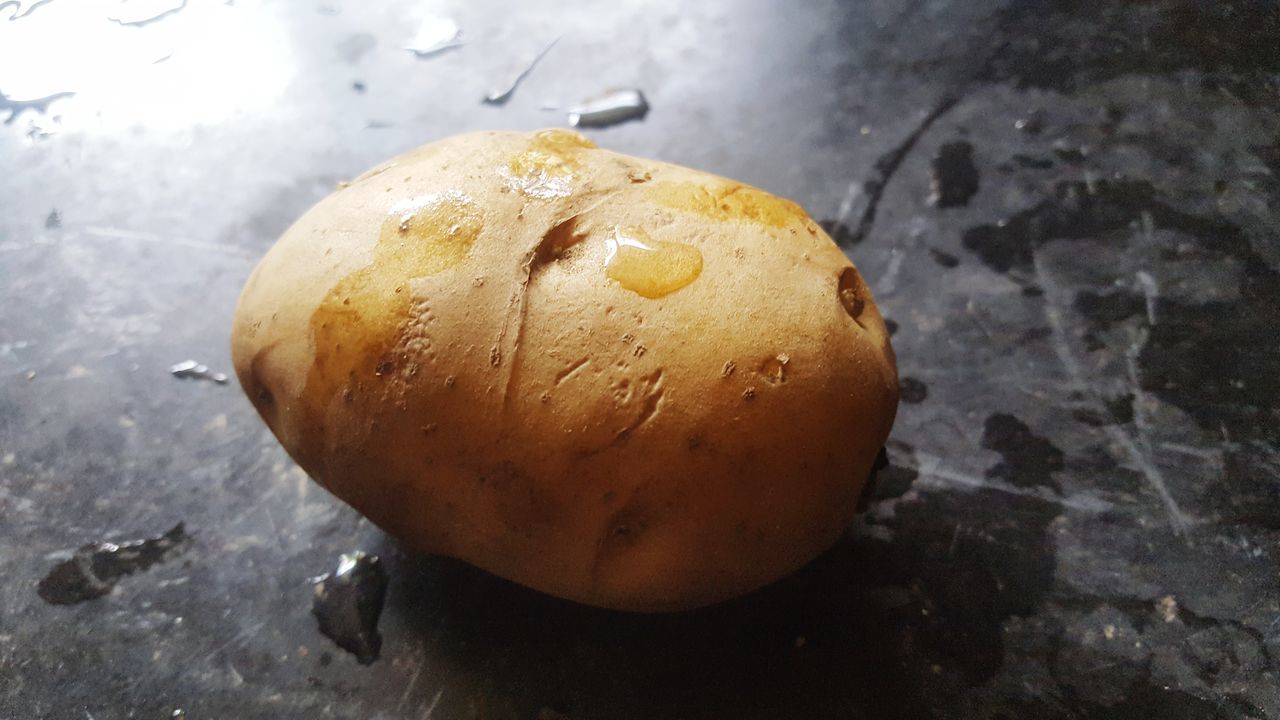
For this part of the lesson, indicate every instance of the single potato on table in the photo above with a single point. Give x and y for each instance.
(615, 380)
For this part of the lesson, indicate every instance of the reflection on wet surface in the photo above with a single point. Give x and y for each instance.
(108, 55)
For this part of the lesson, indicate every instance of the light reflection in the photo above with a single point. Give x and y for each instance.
(201, 64)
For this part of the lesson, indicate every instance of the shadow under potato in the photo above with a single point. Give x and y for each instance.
(875, 627)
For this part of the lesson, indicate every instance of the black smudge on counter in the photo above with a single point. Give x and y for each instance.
(955, 178)
(1217, 361)
(1029, 460)
(912, 390)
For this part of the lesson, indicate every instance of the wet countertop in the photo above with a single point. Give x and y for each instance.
(1068, 210)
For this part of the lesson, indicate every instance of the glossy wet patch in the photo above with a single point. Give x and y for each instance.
(727, 201)
(548, 167)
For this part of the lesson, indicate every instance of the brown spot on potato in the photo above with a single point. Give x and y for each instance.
(851, 292)
(264, 397)
(749, 394)
(257, 387)
(624, 528)
(774, 369)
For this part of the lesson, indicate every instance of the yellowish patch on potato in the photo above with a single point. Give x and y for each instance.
(358, 325)
(547, 167)
(728, 201)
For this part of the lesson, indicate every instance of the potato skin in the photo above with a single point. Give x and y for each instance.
(443, 344)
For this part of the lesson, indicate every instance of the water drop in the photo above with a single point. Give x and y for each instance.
(648, 267)
(430, 233)
(547, 168)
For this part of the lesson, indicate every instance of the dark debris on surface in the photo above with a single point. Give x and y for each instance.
(348, 602)
(93, 570)
(955, 178)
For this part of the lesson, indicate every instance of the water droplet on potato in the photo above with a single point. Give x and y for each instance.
(648, 267)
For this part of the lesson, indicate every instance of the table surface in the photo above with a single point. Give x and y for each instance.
(1082, 515)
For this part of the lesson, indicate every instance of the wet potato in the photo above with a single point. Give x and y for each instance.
(611, 379)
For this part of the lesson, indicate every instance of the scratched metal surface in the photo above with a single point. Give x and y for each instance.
(1082, 516)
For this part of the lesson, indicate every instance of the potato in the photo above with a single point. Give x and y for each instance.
(614, 380)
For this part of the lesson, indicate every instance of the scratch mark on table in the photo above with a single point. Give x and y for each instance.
(1141, 460)
(932, 470)
(434, 702)
(886, 166)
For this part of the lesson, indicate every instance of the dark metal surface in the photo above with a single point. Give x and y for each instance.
(1082, 513)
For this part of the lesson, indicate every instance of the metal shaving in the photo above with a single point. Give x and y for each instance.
(436, 34)
(612, 108)
(190, 369)
(500, 97)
